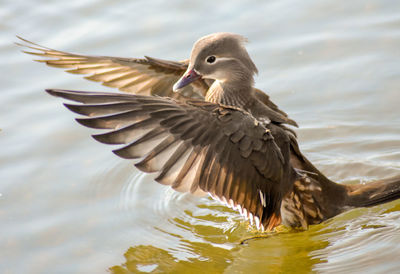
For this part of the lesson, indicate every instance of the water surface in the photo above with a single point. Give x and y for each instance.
(68, 205)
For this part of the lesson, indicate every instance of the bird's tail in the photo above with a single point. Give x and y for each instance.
(373, 193)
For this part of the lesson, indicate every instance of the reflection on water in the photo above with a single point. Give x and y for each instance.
(335, 246)
(149, 258)
(68, 205)
(217, 251)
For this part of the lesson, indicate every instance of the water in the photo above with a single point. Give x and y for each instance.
(68, 205)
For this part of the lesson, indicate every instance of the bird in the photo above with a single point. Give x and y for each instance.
(205, 129)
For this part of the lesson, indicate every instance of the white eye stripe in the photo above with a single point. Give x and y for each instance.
(218, 59)
(223, 59)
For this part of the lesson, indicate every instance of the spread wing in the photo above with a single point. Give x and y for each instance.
(194, 146)
(144, 76)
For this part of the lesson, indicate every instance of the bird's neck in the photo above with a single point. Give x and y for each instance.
(231, 94)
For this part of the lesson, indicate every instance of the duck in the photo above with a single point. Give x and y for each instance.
(203, 127)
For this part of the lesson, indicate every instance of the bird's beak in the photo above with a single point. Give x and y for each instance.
(189, 77)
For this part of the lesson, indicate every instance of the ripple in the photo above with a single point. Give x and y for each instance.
(362, 244)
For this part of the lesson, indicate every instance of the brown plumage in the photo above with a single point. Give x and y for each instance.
(195, 146)
(234, 145)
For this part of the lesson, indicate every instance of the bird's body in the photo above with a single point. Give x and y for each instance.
(231, 141)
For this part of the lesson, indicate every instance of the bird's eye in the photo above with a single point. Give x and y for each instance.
(211, 59)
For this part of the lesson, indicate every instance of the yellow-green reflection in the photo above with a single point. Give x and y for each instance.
(216, 249)
(163, 262)
(279, 253)
(276, 254)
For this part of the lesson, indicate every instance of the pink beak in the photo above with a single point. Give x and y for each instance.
(189, 77)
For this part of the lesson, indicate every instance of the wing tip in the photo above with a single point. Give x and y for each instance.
(75, 108)
(55, 92)
(23, 39)
(121, 152)
(145, 167)
(101, 138)
(63, 93)
(30, 44)
(106, 138)
(293, 122)
(89, 122)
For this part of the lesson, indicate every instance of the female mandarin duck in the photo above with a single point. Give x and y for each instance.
(217, 135)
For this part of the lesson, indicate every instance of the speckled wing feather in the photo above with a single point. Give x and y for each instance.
(144, 76)
(194, 146)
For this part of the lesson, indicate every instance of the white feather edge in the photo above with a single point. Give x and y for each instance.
(254, 220)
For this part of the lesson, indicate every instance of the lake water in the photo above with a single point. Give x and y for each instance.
(68, 205)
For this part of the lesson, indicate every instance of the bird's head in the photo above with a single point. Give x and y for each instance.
(219, 56)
